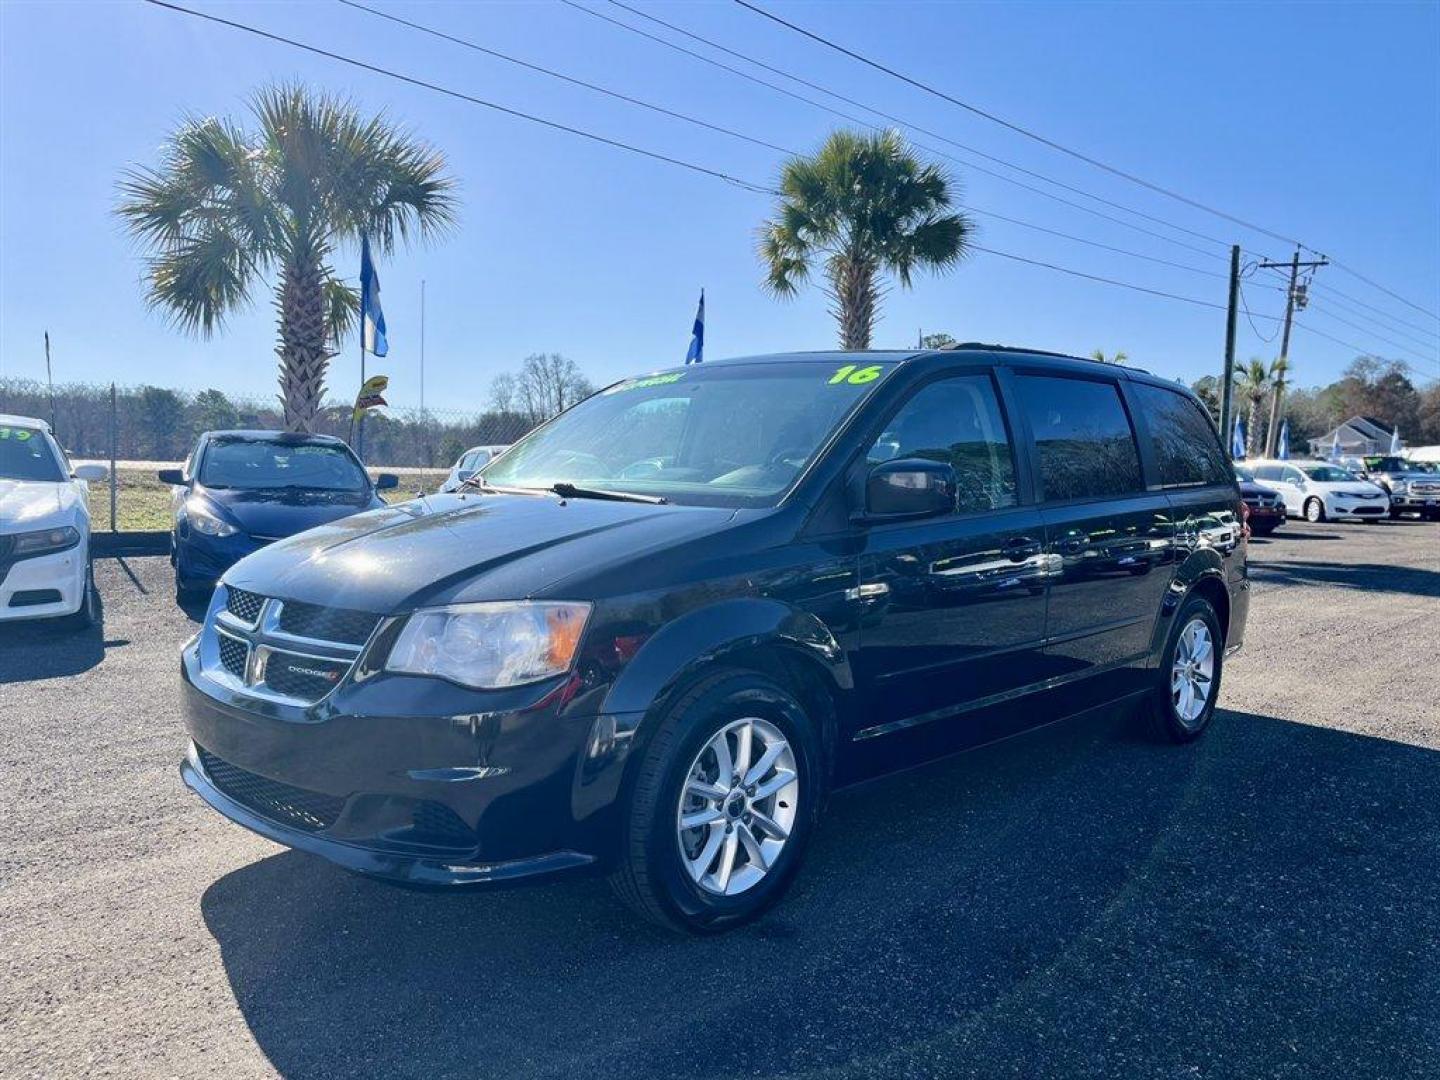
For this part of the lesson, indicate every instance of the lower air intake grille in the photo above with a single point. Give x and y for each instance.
(310, 811)
(438, 825)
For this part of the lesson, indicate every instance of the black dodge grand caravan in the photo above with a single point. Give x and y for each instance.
(648, 639)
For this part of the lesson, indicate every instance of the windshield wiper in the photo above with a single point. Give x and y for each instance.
(478, 481)
(571, 491)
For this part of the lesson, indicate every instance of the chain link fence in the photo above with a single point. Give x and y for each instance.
(136, 431)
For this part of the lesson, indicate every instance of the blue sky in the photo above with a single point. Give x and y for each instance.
(1320, 121)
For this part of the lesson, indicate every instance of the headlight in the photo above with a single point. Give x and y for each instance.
(490, 646)
(1398, 487)
(44, 541)
(205, 522)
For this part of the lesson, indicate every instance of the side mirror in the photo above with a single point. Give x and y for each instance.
(171, 476)
(91, 472)
(910, 488)
(385, 481)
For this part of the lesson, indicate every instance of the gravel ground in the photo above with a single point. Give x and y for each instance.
(1078, 902)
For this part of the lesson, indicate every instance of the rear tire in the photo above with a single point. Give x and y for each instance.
(657, 874)
(1192, 664)
(1314, 511)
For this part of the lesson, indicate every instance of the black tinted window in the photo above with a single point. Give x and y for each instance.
(1085, 445)
(1187, 450)
(956, 421)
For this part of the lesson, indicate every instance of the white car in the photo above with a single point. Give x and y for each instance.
(474, 458)
(44, 527)
(1319, 491)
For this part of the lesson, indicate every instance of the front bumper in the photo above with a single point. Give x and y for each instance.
(405, 779)
(202, 560)
(1358, 509)
(45, 586)
(1414, 502)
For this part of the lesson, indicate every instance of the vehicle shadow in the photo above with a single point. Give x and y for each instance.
(44, 649)
(1371, 577)
(1072, 902)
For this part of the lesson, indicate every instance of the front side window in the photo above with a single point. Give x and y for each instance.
(1083, 438)
(26, 454)
(1329, 474)
(1187, 450)
(1292, 476)
(729, 435)
(1268, 472)
(271, 466)
(956, 421)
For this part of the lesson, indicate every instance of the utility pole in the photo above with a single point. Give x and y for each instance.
(50, 385)
(1230, 316)
(1295, 297)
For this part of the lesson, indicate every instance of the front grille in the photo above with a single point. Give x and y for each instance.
(1368, 510)
(307, 678)
(245, 606)
(326, 623)
(1417, 488)
(233, 654)
(438, 825)
(293, 806)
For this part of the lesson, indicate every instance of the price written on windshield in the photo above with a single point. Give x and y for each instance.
(855, 375)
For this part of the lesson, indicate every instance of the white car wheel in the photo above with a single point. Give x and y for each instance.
(1314, 510)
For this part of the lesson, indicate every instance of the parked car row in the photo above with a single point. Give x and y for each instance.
(1321, 491)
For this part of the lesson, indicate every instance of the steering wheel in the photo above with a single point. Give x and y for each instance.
(580, 459)
(645, 467)
(791, 456)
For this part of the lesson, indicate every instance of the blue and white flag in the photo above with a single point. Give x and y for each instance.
(372, 325)
(1335, 446)
(1283, 450)
(696, 352)
(1237, 440)
(1395, 441)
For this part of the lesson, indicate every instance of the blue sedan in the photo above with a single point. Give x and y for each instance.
(240, 490)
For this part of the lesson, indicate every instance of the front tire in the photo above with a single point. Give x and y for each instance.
(723, 805)
(1183, 702)
(89, 612)
(1314, 511)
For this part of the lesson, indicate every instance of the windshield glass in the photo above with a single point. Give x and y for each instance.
(25, 454)
(1244, 475)
(733, 435)
(247, 463)
(1387, 464)
(1329, 474)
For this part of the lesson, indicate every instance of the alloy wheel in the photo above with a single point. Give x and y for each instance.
(1192, 675)
(738, 806)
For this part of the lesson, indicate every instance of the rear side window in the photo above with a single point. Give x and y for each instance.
(1083, 438)
(1267, 472)
(956, 421)
(1187, 450)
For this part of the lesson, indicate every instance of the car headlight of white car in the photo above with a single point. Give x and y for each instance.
(45, 541)
(493, 645)
(204, 521)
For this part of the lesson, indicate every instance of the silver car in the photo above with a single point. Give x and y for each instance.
(467, 464)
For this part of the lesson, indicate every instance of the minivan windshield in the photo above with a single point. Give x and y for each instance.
(25, 454)
(264, 465)
(729, 435)
(1329, 474)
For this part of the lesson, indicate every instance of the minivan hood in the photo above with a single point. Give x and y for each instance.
(462, 548)
(283, 513)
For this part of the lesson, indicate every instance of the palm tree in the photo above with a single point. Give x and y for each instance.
(866, 206)
(227, 208)
(1253, 382)
(1113, 358)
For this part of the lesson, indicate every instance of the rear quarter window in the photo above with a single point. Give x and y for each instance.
(1187, 450)
(1083, 438)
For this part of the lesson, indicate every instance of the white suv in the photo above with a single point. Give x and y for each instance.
(44, 527)
(1318, 491)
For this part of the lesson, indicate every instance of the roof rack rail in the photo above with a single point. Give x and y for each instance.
(1010, 348)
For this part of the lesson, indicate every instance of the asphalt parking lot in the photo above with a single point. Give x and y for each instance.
(1079, 902)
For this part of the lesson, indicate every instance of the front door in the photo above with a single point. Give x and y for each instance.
(955, 604)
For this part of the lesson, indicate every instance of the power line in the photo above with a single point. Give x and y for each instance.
(1018, 129)
(1334, 292)
(1103, 280)
(909, 124)
(1070, 151)
(467, 43)
(875, 127)
(388, 73)
(563, 77)
(1427, 357)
